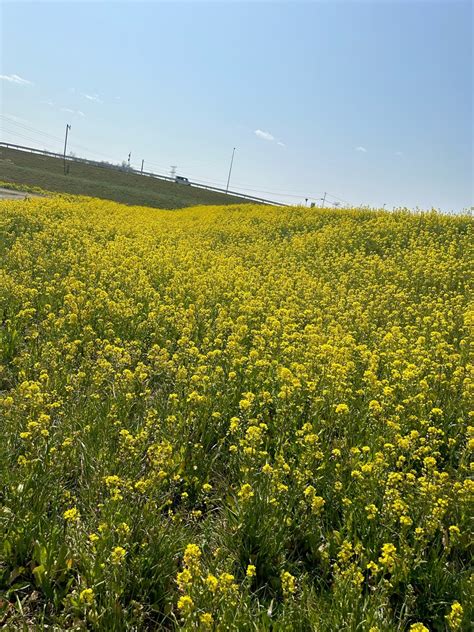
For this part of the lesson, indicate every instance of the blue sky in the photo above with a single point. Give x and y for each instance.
(369, 101)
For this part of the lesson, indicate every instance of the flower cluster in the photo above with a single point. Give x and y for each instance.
(288, 390)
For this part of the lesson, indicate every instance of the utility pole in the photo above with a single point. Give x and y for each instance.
(230, 170)
(324, 198)
(68, 127)
(141, 172)
(129, 157)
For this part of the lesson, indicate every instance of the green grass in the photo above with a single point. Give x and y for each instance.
(23, 168)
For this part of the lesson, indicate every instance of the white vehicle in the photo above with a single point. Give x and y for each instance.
(182, 180)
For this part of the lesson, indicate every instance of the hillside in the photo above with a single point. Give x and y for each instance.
(46, 172)
(238, 418)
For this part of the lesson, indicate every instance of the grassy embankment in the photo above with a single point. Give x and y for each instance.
(24, 168)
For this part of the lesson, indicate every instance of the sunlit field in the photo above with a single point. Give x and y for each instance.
(234, 418)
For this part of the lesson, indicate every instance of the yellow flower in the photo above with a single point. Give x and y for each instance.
(375, 407)
(454, 532)
(212, 583)
(87, 596)
(372, 511)
(192, 557)
(183, 579)
(418, 627)
(71, 515)
(345, 552)
(419, 533)
(342, 409)
(455, 617)
(406, 521)
(288, 584)
(123, 528)
(185, 605)
(7, 402)
(387, 559)
(373, 567)
(226, 581)
(117, 556)
(251, 570)
(317, 504)
(206, 620)
(246, 492)
(141, 486)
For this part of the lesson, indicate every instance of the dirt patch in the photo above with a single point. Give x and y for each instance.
(11, 194)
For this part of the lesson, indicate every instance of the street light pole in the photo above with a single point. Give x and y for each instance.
(68, 127)
(230, 170)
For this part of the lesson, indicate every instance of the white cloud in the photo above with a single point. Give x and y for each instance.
(16, 79)
(362, 149)
(264, 135)
(281, 144)
(69, 111)
(48, 102)
(92, 97)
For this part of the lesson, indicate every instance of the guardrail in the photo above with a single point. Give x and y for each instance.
(149, 174)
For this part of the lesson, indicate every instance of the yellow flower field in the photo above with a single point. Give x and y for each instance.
(234, 418)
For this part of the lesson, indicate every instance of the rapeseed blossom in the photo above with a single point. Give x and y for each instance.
(117, 556)
(388, 556)
(86, 596)
(288, 584)
(455, 616)
(71, 515)
(194, 400)
(185, 605)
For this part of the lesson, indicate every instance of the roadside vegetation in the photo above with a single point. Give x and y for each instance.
(234, 418)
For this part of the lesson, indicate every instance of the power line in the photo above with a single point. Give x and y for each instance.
(249, 187)
(338, 198)
(33, 130)
(237, 185)
(12, 121)
(240, 185)
(16, 133)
